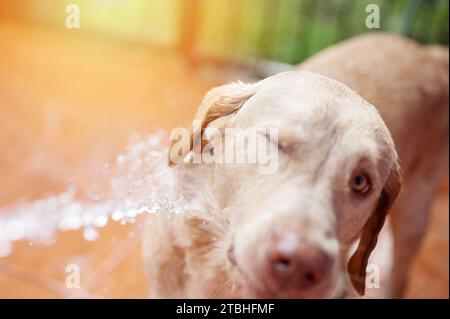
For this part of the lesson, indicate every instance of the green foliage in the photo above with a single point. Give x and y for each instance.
(291, 30)
(283, 30)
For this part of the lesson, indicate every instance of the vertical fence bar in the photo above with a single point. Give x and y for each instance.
(232, 28)
(407, 19)
(188, 27)
(292, 30)
(268, 17)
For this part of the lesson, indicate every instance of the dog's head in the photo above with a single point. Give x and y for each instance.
(336, 178)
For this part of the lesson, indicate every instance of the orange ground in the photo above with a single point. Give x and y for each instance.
(67, 100)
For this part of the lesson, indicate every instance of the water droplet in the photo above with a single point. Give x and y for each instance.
(5, 248)
(87, 219)
(90, 234)
(70, 222)
(101, 221)
(138, 182)
(14, 230)
(117, 215)
(120, 159)
(131, 213)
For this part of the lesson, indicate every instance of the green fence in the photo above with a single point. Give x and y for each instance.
(291, 30)
(283, 30)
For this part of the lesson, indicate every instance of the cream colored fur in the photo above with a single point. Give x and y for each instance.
(326, 133)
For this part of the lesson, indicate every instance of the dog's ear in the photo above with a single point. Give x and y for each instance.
(358, 262)
(219, 102)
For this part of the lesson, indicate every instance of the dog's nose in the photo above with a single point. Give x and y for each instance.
(300, 266)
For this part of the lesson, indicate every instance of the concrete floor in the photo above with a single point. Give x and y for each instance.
(68, 103)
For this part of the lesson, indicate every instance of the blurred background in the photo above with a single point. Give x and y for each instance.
(71, 98)
(283, 30)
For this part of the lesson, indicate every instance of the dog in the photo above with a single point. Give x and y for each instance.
(353, 122)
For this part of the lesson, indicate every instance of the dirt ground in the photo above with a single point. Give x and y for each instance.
(68, 102)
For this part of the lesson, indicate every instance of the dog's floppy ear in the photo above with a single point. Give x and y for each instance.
(358, 262)
(218, 103)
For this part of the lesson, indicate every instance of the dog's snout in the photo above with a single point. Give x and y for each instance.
(297, 265)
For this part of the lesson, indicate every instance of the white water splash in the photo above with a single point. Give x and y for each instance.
(138, 182)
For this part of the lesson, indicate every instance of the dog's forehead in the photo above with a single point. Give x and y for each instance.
(318, 110)
(302, 97)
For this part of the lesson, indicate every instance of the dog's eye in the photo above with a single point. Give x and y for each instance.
(360, 184)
